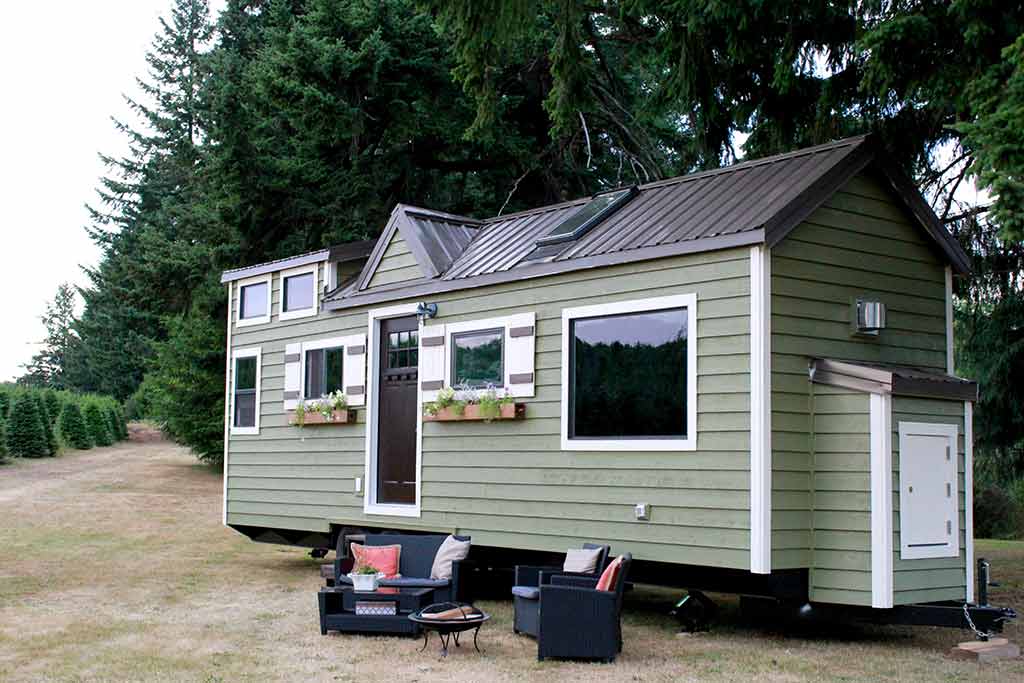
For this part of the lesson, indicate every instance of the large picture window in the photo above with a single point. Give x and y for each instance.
(477, 358)
(324, 371)
(630, 375)
(245, 417)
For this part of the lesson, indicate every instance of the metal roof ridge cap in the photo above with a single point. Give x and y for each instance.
(233, 274)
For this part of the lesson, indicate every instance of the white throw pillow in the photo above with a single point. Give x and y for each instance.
(451, 550)
(579, 561)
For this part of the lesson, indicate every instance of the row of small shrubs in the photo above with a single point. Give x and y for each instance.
(40, 422)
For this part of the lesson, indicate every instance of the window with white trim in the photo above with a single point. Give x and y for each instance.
(298, 292)
(629, 375)
(253, 301)
(245, 392)
(324, 371)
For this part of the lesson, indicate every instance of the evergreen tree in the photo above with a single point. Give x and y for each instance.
(72, 427)
(48, 367)
(97, 425)
(44, 417)
(150, 226)
(5, 403)
(52, 403)
(25, 433)
(115, 429)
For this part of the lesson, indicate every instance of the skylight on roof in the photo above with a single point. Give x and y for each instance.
(588, 216)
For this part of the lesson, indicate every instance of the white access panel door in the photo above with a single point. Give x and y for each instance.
(929, 499)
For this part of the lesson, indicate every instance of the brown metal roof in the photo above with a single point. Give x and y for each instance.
(753, 202)
(892, 379)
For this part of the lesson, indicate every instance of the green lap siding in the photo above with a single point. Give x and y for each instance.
(509, 484)
(397, 265)
(940, 578)
(841, 482)
(859, 243)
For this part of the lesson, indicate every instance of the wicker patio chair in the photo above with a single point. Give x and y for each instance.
(526, 589)
(577, 621)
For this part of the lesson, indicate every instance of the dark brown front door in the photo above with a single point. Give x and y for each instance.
(397, 419)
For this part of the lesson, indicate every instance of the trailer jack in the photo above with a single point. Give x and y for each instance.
(695, 612)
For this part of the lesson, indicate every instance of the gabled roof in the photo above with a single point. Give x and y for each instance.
(435, 239)
(892, 379)
(754, 202)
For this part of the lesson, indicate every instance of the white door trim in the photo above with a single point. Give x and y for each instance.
(881, 501)
(370, 505)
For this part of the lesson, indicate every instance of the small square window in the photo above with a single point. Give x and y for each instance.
(324, 371)
(254, 301)
(477, 358)
(298, 292)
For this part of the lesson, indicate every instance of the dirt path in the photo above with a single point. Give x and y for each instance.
(114, 565)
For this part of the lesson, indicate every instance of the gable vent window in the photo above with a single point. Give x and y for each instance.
(587, 217)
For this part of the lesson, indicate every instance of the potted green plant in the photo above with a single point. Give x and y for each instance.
(365, 578)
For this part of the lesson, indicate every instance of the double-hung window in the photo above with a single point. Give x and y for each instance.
(298, 292)
(629, 375)
(478, 358)
(245, 403)
(324, 371)
(253, 301)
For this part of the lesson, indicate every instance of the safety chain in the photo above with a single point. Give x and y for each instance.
(983, 636)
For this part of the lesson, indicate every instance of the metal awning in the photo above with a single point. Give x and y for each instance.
(879, 378)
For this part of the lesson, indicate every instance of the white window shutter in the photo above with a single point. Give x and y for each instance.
(432, 357)
(520, 346)
(354, 369)
(292, 375)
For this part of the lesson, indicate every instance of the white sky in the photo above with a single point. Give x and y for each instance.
(63, 69)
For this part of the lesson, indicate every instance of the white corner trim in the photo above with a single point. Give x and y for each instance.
(313, 269)
(949, 320)
(969, 498)
(251, 352)
(760, 411)
(242, 284)
(688, 301)
(370, 505)
(227, 406)
(881, 501)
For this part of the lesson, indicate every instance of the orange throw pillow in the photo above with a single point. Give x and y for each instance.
(383, 557)
(610, 576)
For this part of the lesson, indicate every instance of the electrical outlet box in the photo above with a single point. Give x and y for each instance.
(359, 484)
(642, 511)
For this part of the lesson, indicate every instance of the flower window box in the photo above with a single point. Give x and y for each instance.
(345, 416)
(505, 411)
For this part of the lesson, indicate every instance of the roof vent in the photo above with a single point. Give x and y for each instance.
(589, 215)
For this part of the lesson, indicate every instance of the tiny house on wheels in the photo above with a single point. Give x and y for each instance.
(744, 377)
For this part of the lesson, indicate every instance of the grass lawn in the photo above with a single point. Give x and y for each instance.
(114, 566)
